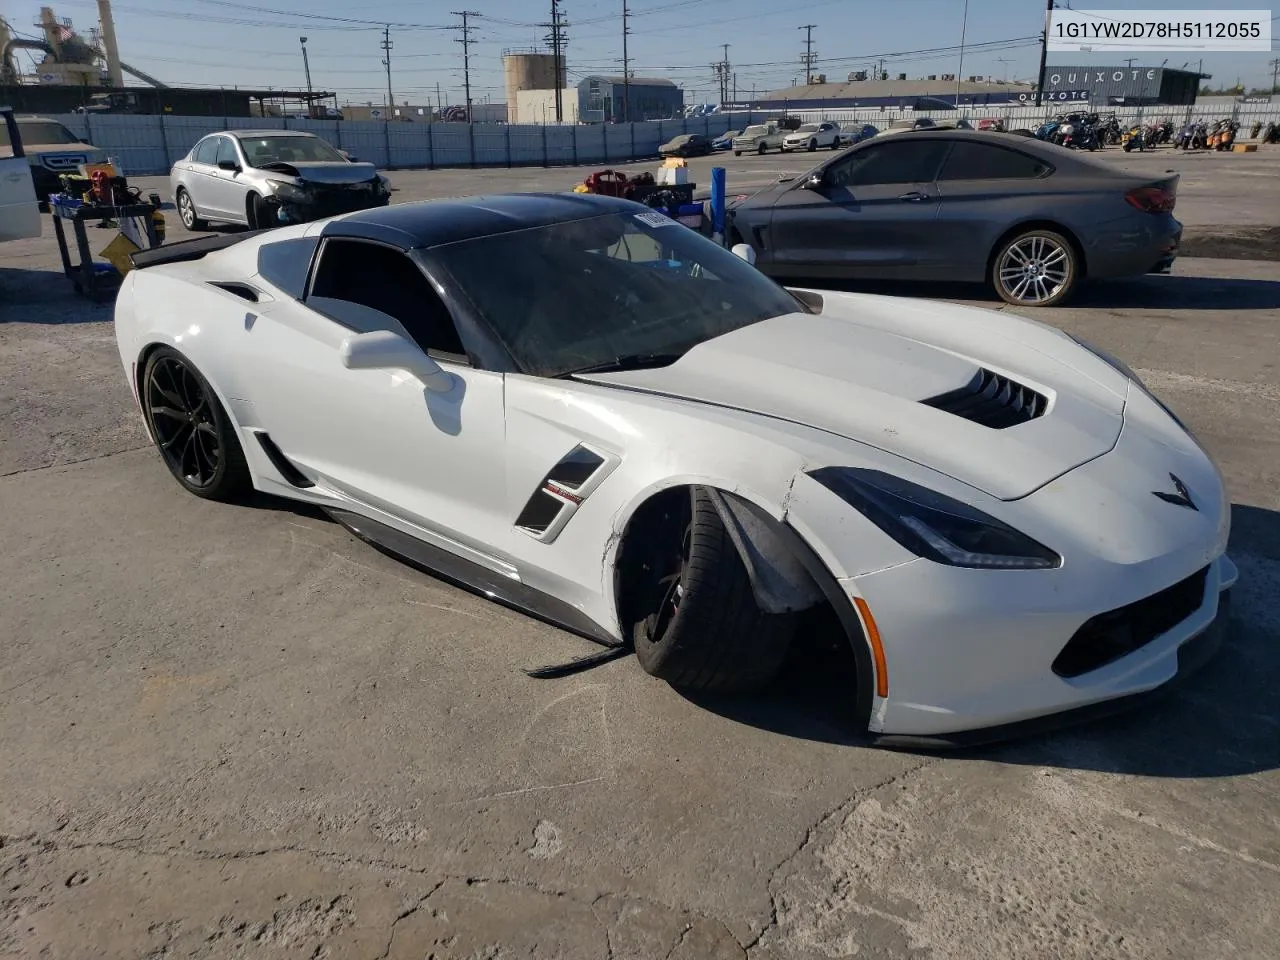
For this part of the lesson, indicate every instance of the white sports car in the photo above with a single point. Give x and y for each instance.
(584, 410)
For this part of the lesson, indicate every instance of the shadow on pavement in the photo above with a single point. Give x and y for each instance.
(1224, 722)
(45, 297)
(1154, 291)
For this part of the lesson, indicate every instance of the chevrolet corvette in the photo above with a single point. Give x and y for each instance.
(583, 410)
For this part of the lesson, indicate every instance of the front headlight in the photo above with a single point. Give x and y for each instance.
(935, 526)
(291, 193)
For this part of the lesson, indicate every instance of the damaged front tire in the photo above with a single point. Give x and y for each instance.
(696, 622)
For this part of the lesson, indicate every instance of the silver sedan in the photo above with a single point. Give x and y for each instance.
(264, 178)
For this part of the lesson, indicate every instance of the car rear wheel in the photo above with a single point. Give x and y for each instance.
(763, 150)
(699, 626)
(194, 435)
(737, 153)
(187, 212)
(1038, 268)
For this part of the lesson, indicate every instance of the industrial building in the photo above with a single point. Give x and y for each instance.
(931, 93)
(532, 69)
(1125, 85)
(601, 99)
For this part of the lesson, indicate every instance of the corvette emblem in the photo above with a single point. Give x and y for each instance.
(1180, 497)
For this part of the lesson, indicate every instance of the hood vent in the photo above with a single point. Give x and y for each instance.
(992, 400)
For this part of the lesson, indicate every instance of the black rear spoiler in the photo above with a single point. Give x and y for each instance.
(189, 249)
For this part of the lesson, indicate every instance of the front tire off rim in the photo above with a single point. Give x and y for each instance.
(183, 422)
(1034, 269)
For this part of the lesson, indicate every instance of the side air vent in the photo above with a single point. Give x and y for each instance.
(283, 463)
(561, 492)
(539, 513)
(241, 290)
(992, 400)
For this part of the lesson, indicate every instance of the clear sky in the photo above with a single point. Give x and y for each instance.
(237, 42)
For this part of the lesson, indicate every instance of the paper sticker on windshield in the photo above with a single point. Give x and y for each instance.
(655, 219)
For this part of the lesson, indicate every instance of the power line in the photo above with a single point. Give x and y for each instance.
(466, 42)
(626, 67)
(386, 45)
(809, 58)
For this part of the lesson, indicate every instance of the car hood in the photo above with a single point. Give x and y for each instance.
(336, 171)
(75, 149)
(863, 367)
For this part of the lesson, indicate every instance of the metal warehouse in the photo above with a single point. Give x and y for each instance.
(1127, 85)
(600, 99)
(935, 93)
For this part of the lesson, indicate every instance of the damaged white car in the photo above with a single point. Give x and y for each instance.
(265, 178)
(581, 409)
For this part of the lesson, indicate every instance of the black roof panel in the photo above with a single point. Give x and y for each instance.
(431, 223)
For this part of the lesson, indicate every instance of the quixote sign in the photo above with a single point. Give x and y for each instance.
(1105, 75)
(1056, 96)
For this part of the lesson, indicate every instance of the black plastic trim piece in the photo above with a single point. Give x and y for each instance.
(189, 249)
(540, 512)
(241, 290)
(575, 468)
(282, 463)
(1192, 655)
(472, 576)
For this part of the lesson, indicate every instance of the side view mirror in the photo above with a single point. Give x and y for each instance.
(744, 251)
(228, 165)
(814, 181)
(384, 350)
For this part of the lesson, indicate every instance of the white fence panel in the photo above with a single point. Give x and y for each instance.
(527, 144)
(490, 141)
(452, 143)
(561, 145)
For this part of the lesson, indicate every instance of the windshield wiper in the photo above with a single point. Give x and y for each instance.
(634, 361)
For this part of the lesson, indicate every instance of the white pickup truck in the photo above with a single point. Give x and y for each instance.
(19, 213)
(758, 138)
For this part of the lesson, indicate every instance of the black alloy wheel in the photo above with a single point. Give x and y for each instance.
(190, 429)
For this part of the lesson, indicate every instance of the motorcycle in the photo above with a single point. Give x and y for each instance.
(1253, 131)
(1194, 136)
(1134, 138)
(1223, 135)
(1271, 132)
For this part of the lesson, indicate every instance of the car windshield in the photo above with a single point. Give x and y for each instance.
(261, 151)
(754, 132)
(598, 292)
(35, 132)
(808, 128)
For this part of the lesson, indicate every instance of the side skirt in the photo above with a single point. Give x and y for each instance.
(471, 576)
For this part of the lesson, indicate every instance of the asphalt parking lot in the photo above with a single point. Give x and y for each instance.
(236, 730)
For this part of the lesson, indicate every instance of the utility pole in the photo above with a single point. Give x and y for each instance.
(386, 46)
(557, 39)
(809, 58)
(1275, 72)
(626, 66)
(1044, 51)
(1005, 75)
(724, 76)
(306, 66)
(964, 28)
(466, 41)
(439, 103)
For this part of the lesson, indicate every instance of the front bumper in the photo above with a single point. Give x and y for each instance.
(329, 202)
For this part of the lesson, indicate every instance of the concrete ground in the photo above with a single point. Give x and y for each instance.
(236, 731)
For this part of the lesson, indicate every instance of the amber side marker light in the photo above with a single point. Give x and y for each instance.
(877, 648)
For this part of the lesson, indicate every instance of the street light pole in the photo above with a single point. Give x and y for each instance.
(306, 66)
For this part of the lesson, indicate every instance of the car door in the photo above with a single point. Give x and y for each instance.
(871, 215)
(227, 185)
(199, 176)
(985, 188)
(19, 215)
(434, 462)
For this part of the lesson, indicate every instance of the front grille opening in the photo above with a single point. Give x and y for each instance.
(1112, 635)
(992, 400)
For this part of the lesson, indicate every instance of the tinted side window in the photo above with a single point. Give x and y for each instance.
(984, 161)
(226, 150)
(285, 264)
(386, 280)
(910, 160)
(207, 151)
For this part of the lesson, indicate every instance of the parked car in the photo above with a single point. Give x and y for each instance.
(53, 150)
(758, 138)
(686, 145)
(263, 178)
(1030, 217)
(19, 212)
(725, 140)
(674, 456)
(811, 136)
(865, 132)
